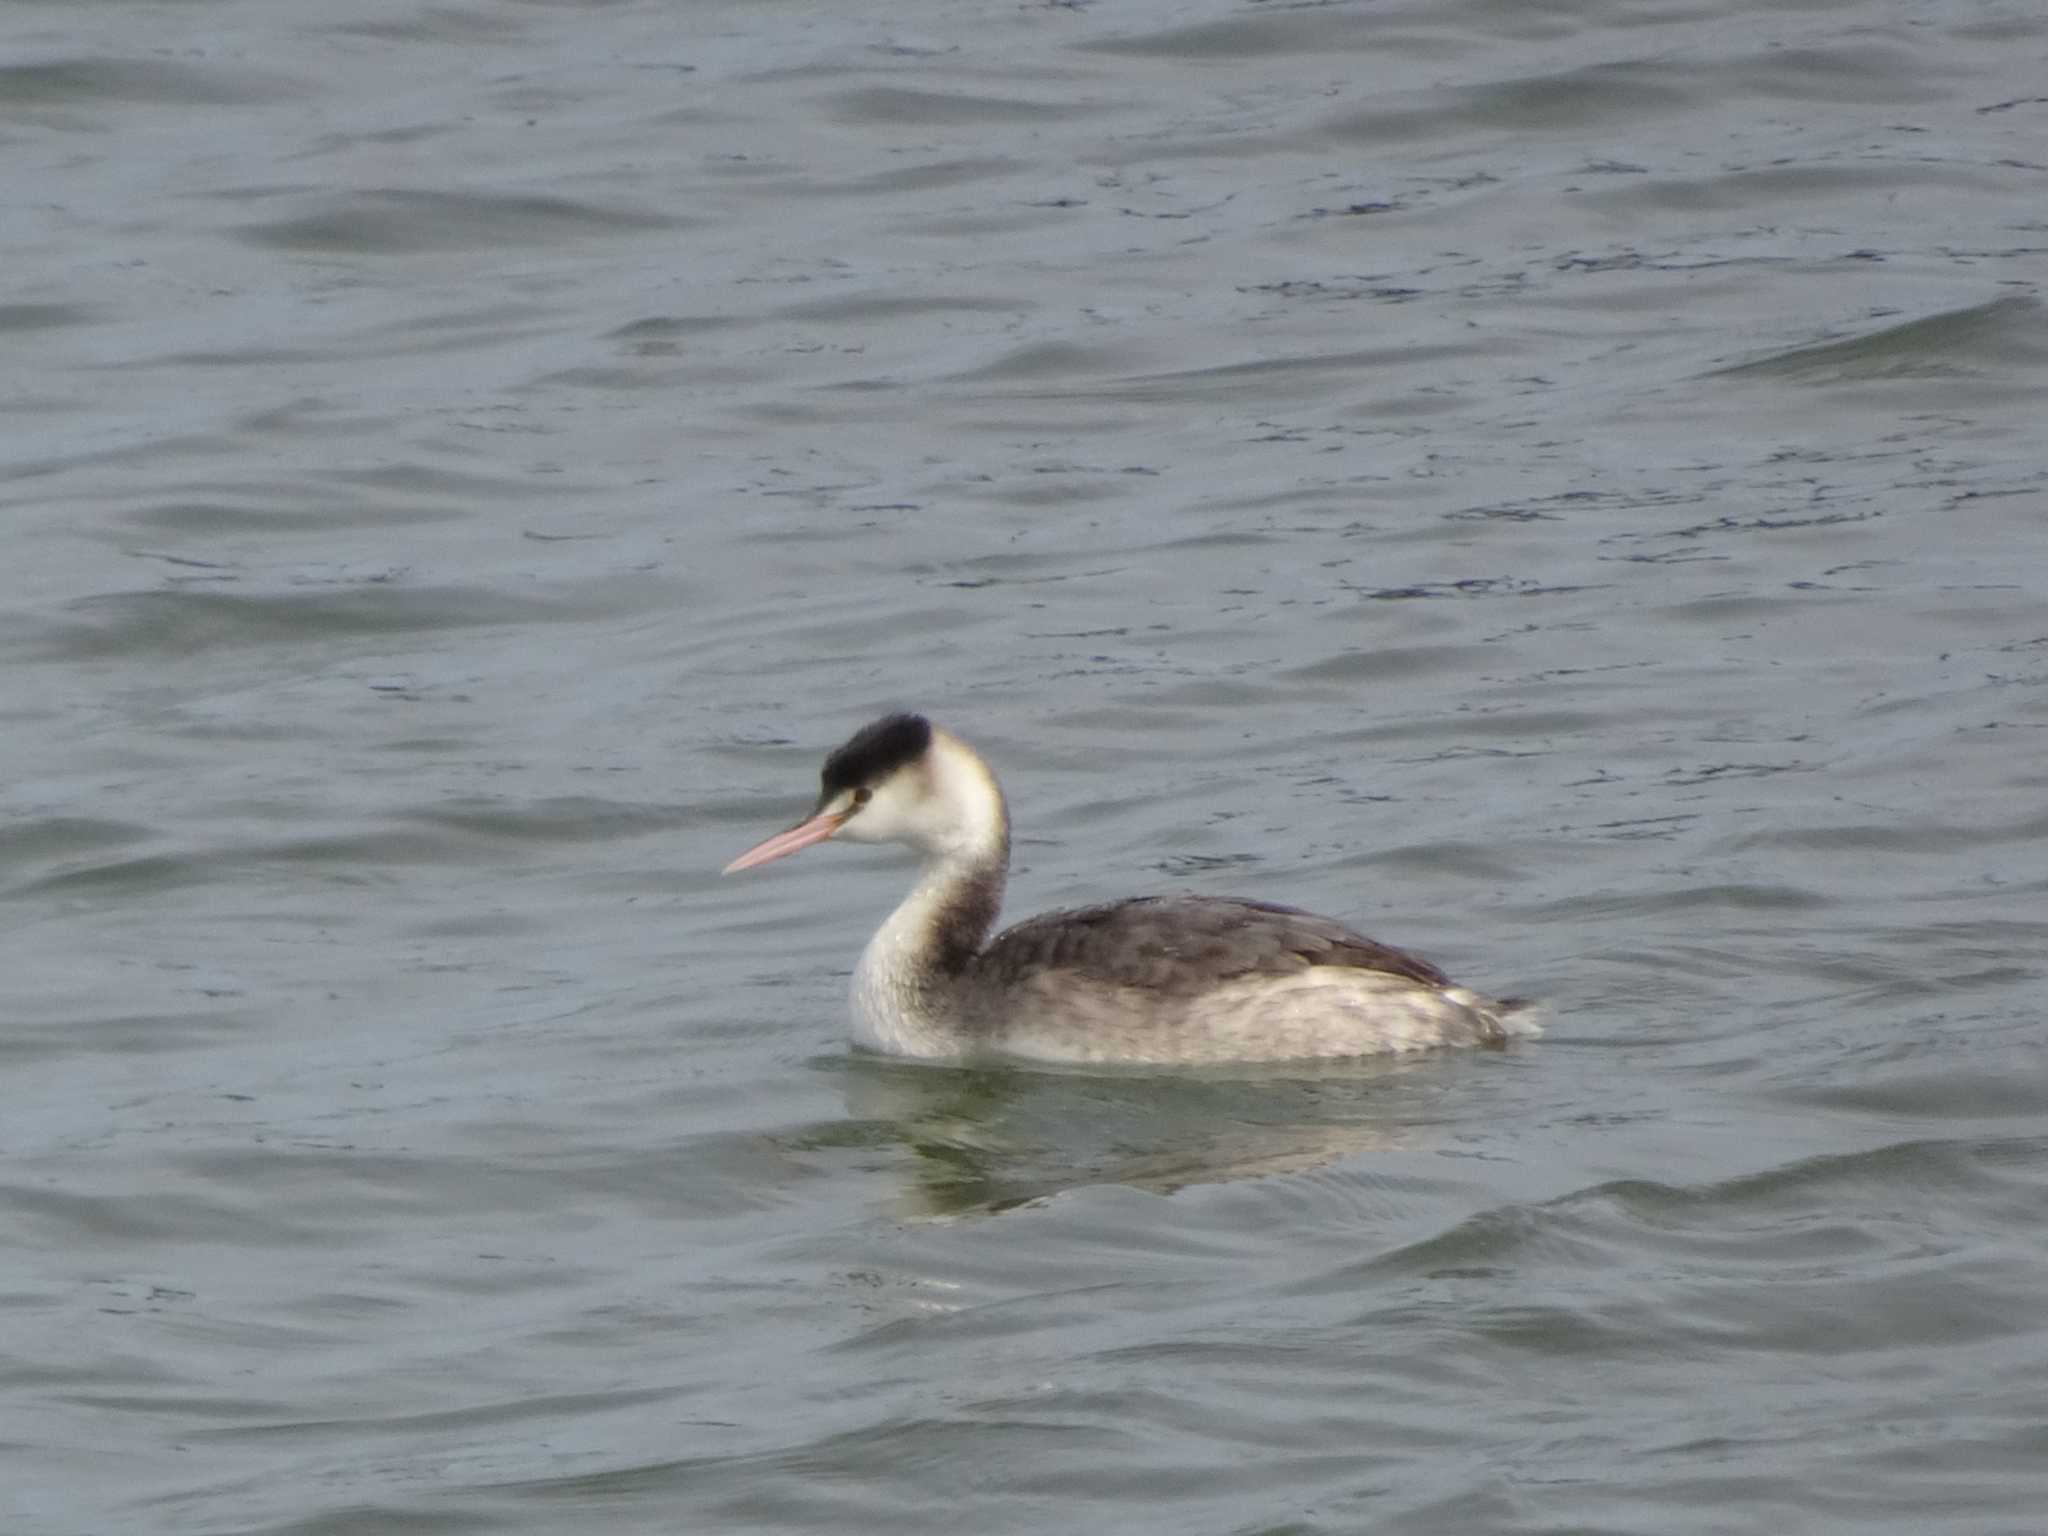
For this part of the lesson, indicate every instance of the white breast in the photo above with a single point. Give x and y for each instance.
(893, 1009)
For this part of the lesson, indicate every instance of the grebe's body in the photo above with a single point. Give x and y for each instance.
(1152, 981)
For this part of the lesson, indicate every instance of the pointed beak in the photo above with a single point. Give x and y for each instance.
(802, 835)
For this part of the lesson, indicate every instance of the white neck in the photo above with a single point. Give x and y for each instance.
(910, 985)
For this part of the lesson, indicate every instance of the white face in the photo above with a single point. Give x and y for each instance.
(900, 809)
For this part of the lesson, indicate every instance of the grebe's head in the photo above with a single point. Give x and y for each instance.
(899, 780)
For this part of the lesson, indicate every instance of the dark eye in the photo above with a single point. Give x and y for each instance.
(863, 795)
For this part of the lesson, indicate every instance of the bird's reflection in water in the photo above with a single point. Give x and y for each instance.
(981, 1140)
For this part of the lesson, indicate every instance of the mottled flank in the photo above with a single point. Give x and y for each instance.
(1176, 945)
(876, 751)
(1318, 1013)
(1203, 980)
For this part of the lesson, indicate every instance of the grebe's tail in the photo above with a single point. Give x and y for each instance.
(1507, 1018)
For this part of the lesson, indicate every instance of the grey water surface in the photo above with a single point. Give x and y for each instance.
(1561, 486)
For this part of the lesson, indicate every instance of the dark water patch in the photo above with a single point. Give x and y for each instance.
(1213, 693)
(399, 221)
(1336, 290)
(1734, 897)
(959, 226)
(84, 81)
(1112, 722)
(1441, 859)
(2006, 332)
(437, 24)
(1318, 29)
(1490, 1243)
(1049, 361)
(41, 838)
(1021, 569)
(1654, 828)
(828, 1480)
(1315, 505)
(352, 1187)
(635, 379)
(932, 176)
(1989, 933)
(1267, 370)
(1713, 772)
(1918, 835)
(1489, 19)
(1053, 489)
(125, 1034)
(1309, 31)
(154, 452)
(1601, 96)
(45, 317)
(373, 1517)
(1534, 729)
(1801, 1226)
(121, 879)
(1746, 612)
(1466, 587)
(55, 856)
(46, 1214)
(201, 1408)
(1831, 1186)
(1302, 376)
(567, 818)
(393, 849)
(184, 623)
(1753, 191)
(236, 357)
(1769, 522)
(482, 1415)
(899, 1340)
(419, 478)
(869, 307)
(1949, 1302)
(895, 105)
(1005, 420)
(1863, 73)
(462, 329)
(1222, 539)
(497, 922)
(1387, 662)
(655, 329)
(830, 637)
(1517, 512)
(1956, 1091)
(1184, 866)
(289, 513)
(427, 746)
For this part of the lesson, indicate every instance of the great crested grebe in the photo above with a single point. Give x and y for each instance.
(1156, 980)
